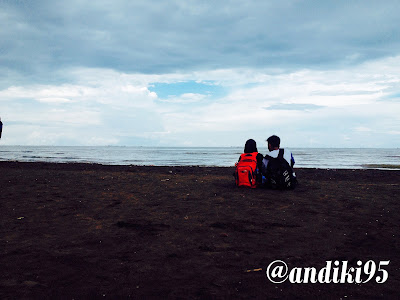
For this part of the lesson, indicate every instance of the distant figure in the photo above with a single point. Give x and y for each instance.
(247, 171)
(1, 127)
(277, 166)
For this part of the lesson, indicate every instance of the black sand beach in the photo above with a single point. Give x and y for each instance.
(78, 231)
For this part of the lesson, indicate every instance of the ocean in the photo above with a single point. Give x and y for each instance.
(324, 158)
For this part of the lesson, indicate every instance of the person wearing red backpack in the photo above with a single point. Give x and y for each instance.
(247, 172)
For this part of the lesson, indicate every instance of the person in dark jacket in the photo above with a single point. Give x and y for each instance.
(1, 127)
(273, 147)
(274, 150)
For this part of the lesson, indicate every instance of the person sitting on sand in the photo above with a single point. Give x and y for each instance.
(275, 153)
(273, 147)
(251, 147)
(250, 162)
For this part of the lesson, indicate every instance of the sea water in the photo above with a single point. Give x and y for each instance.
(325, 158)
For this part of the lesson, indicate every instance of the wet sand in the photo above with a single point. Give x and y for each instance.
(91, 231)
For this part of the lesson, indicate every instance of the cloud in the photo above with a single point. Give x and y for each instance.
(53, 100)
(186, 98)
(179, 36)
(199, 72)
(122, 108)
(305, 107)
(107, 111)
(362, 129)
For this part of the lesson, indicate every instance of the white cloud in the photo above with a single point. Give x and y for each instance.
(53, 100)
(185, 98)
(362, 129)
(102, 106)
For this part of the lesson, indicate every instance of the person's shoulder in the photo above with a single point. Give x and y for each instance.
(273, 153)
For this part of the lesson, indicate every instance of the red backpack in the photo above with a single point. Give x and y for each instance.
(245, 173)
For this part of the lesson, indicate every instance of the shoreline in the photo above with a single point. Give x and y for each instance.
(327, 158)
(76, 230)
(379, 167)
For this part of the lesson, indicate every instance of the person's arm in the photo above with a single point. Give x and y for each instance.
(259, 159)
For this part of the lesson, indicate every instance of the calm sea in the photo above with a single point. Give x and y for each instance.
(325, 158)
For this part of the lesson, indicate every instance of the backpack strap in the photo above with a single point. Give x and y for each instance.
(268, 157)
(280, 155)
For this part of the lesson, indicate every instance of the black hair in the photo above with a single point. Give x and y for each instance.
(250, 146)
(274, 140)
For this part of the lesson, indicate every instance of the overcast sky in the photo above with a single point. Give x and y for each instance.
(200, 73)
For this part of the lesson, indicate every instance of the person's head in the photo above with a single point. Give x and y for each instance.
(273, 142)
(250, 146)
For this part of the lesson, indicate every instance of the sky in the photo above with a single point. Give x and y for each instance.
(200, 73)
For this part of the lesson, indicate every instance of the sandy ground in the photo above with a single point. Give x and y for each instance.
(90, 231)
